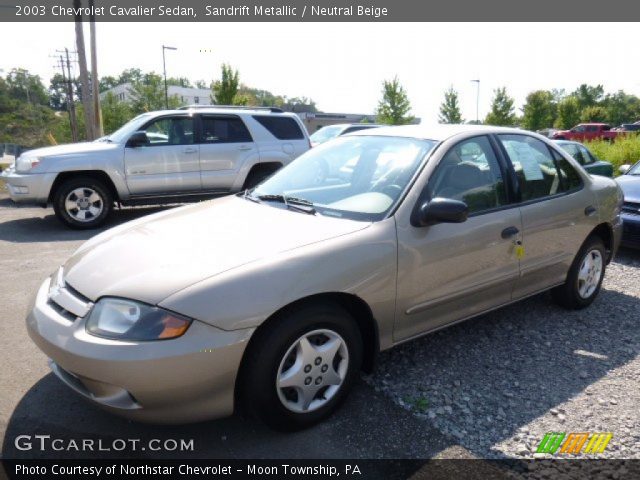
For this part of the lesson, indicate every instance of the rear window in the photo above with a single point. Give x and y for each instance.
(283, 128)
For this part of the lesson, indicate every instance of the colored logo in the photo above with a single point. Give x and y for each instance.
(574, 442)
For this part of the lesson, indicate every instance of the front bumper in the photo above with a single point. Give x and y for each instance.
(186, 379)
(31, 188)
(630, 230)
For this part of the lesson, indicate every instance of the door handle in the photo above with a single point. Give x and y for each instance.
(245, 147)
(590, 210)
(190, 150)
(509, 232)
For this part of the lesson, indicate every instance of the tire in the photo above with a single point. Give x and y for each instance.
(276, 356)
(585, 276)
(92, 198)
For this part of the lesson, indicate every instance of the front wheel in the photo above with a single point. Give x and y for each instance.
(82, 202)
(300, 368)
(585, 276)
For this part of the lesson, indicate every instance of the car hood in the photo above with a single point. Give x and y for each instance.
(154, 257)
(630, 185)
(71, 149)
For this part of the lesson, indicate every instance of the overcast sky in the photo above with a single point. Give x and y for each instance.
(341, 66)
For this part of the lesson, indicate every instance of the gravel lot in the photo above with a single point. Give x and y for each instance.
(498, 383)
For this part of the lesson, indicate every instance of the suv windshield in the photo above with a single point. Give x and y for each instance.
(325, 133)
(359, 178)
(635, 170)
(125, 131)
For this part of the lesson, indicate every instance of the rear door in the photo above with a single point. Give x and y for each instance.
(168, 163)
(451, 271)
(225, 146)
(557, 211)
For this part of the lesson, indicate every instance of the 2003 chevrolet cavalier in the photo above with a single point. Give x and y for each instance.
(274, 299)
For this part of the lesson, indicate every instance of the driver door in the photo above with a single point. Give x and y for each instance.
(169, 162)
(450, 271)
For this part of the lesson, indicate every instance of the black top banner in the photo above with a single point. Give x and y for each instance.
(321, 11)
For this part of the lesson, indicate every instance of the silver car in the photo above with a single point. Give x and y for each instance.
(272, 300)
(167, 156)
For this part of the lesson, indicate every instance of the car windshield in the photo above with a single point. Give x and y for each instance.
(359, 177)
(635, 170)
(125, 131)
(325, 133)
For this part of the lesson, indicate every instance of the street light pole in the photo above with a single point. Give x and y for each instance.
(477, 82)
(164, 68)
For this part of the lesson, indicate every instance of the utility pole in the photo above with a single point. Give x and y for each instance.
(71, 109)
(71, 101)
(477, 82)
(89, 118)
(95, 90)
(164, 68)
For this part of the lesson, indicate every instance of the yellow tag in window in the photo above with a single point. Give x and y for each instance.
(519, 252)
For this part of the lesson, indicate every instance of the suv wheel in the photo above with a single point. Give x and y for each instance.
(300, 369)
(585, 276)
(82, 202)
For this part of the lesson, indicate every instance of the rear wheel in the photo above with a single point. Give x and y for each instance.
(585, 276)
(82, 202)
(299, 369)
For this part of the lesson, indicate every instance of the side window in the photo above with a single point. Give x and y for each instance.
(579, 128)
(170, 131)
(471, 173)
(221, 129)
(283, 128)
(588, 158)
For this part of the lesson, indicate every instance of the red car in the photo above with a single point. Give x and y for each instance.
(587, 131)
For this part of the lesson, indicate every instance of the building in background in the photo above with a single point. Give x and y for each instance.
(187, 96)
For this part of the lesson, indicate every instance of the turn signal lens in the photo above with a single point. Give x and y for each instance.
(173, 326)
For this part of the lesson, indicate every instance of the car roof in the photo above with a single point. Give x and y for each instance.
(225, 111)
(436, 131)
(561, 142)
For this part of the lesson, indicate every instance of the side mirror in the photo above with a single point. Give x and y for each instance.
(138, 139)
(624, 169)
(440, 210)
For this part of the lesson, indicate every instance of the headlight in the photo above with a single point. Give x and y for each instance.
(24, 163)
(121, 319)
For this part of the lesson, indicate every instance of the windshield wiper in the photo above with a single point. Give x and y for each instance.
(295, 203)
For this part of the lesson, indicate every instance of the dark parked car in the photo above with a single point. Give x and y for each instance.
(588, 160)
(630, 184)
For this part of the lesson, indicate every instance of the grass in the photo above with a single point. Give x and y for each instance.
(624, 150)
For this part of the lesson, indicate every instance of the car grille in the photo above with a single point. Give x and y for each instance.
(631, 233)
(631, 208)
(66, 300)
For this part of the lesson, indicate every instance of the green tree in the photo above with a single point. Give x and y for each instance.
(114, 113)
(148, 94)
(568, 113)
(502, 111)
(25, 87)
(450, 108)
(621, 108)
(394, 108)
(226, 89)
(108, 82)
(594, 113)
(588, 95)
(538, 111)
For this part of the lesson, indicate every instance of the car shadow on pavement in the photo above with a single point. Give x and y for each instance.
(47, 228)
(368, 425)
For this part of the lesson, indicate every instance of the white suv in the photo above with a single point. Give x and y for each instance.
(170, 155)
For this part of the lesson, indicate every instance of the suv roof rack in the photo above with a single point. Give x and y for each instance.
(232, 107)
